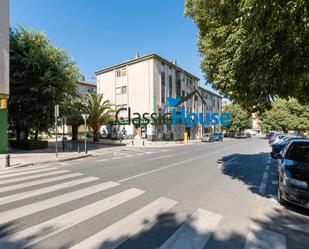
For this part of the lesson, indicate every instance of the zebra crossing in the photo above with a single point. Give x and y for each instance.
(193, 233)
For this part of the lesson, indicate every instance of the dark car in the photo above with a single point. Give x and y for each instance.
(217, 136)
(293, 168)
(276, 148)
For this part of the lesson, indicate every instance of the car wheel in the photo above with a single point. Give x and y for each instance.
(279, 196)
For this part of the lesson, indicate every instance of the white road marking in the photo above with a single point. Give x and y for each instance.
(262, 188)
(259, 238)
(128, 155)
(115, 158)
(274, 182)
(101, 160)
(22, 211)
(120, 231)
(19, 179)
(300, 227)
(29, 236)
(38, 182)
(40, 191)
(231, 160)
(195, 232)
(18, 170)
(160, 157)
(169, 166)
(140, 154)
(27, 172)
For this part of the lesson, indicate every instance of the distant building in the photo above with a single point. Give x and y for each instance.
(84, 87)
(144, 84)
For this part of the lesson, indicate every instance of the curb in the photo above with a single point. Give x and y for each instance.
(48, 161)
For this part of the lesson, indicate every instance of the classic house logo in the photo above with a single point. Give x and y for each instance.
(176, 116)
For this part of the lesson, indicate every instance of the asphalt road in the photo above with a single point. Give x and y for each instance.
(207, 195)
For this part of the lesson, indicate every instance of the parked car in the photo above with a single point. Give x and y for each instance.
(293, 168)
(279, 137)
(207, 138)
(269, 134)
(217, 136)
(277, 147)
(240, 135)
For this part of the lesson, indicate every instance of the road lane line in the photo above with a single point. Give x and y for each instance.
(169, 166)
(115, 158)
(262, 188)
(125, 228)
(195, 232)
(29, 236)
(160, 157)
(24, 178)
(101, 160)
(259, 238)
(41, 191)
(230, 160)
(27, 172)
(38, 182)
(23, 211)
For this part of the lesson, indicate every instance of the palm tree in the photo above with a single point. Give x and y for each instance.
(100, 111)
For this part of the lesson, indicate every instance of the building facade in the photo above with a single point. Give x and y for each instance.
(4, 73)
(143, 84)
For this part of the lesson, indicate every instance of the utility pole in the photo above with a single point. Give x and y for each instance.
(85, 117)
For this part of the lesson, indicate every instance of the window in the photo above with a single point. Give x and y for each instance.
(124, 89)
(170, 82)
(162, 83)
(124, 71)
(118, 73)
(118, 90)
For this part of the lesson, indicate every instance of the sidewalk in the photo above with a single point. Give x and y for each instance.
(34, 158)
(20, 158)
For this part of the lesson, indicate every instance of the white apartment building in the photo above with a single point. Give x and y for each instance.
(143, 85)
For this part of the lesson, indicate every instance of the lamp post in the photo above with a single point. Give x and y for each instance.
(85, 117)
(56, 117)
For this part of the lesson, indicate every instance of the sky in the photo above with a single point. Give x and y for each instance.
(102, 33)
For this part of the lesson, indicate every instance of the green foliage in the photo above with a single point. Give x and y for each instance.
(72, 110)
(241, 119)
(286, 115)
(254, 50)
(100, 111)
(41, 76)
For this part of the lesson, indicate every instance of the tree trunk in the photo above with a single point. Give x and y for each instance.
(96, 136)
(26, 132)
(75, 132)
(36, 135)
(17, 131)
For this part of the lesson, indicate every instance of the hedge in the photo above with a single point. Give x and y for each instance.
(29, 144)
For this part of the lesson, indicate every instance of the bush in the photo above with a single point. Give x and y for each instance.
(28, 145)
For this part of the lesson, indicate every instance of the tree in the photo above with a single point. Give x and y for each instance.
(286, 115)
(254, 51)
(100, 111)
(241, 119)
(41, 76)
(73, 112)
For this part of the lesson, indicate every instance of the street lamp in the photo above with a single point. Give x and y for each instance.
(85, 117)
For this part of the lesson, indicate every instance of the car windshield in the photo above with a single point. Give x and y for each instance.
(217, 133)
(299, 151)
